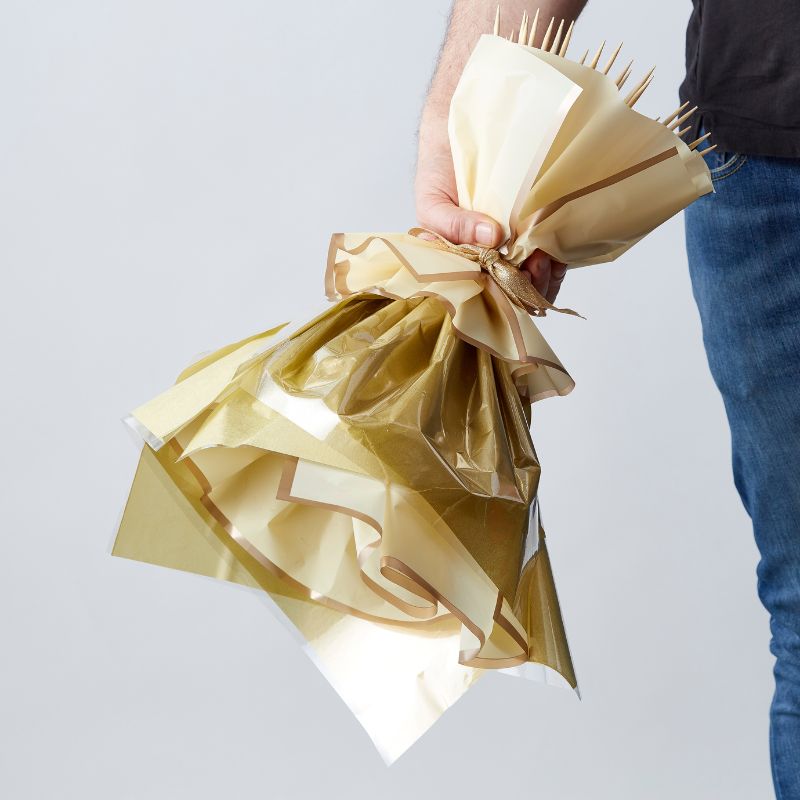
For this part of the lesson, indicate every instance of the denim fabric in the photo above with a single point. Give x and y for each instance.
(744, 258)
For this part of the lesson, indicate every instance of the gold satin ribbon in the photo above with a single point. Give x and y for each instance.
(515, 286)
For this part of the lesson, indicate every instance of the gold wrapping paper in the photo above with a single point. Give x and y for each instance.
(334, 434)
(318, 471)
(397, 681)
(373, 472)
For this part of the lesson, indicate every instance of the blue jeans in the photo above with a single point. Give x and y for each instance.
(744, 258)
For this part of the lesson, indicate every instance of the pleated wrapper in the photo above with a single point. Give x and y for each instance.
(373, 472)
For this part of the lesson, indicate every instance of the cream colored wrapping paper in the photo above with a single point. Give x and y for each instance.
(373, 472)
(549, 149)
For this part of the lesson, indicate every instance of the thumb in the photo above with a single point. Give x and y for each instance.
(461, 226)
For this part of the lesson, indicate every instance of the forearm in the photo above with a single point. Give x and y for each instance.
(435, 184)
(469, 19)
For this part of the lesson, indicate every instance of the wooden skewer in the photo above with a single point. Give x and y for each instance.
(523, 29)
(640, 92)
(707, 150)
(693, 145)
(597, 55)
(583, 57)
(567, 37)
(534, 25)
(636, 89)
(611, 60)
(496, 30)
(546, 41)
(557, 39)
(682, 119)
(623, 76)
(675, 113)
(681, 131)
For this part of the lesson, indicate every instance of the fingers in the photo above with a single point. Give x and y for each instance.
(538, 265)
(438, 211)
(456, 224)
(437, 206)
(546, 274)
(557, 273)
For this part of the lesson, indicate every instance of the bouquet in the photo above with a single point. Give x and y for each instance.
(373, 471)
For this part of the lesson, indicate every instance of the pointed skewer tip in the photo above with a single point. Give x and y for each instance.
(557, 39)
(611, 60)
(698, 141)
(597, 55)
(638, 90)
(682, 119)
(675, 113)
(534, 26)
(567, 38)
(546, 41)
(523, 29)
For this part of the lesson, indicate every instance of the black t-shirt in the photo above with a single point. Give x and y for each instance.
(743, 70)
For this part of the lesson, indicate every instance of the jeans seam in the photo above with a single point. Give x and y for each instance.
(775, 777)
(728, 171)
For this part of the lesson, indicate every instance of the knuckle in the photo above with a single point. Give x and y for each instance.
(532, 268)
(462, 227)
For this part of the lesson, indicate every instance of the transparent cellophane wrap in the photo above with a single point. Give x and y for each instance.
(373, 472)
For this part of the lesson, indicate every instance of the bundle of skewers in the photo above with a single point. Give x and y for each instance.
(553, 43)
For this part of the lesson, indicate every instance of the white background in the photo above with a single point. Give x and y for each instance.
(170, 173)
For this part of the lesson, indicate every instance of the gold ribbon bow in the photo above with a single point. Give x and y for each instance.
(509, 278)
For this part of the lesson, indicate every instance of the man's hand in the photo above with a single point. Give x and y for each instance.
(435, 185)
(437, 209)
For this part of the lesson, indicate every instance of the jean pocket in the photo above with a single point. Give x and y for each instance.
(723, 164)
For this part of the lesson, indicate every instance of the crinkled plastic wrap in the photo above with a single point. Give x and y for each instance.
(374, 472)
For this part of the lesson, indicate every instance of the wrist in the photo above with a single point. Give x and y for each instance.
(433, 135)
